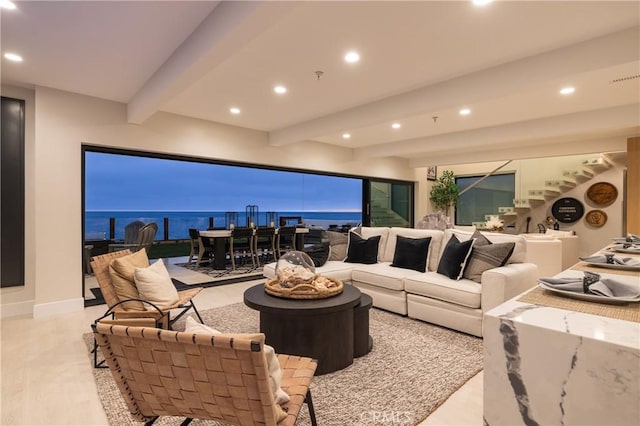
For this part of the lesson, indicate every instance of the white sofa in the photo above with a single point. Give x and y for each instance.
(430, 296)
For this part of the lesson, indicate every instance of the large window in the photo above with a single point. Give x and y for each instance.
(485, 198)
(190, 194)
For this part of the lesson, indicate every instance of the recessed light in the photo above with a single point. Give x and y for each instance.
(346, 136)
(352, 57)
(396, 125)
(13, 57)
(6, 4)
(234, 110)
(280, 90)
(567, 90)
(481, 2)
(465, 111)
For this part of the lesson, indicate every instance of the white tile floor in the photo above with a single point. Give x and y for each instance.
(46, 373)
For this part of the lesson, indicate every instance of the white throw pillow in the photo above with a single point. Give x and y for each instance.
(154, 284)
(273, 366)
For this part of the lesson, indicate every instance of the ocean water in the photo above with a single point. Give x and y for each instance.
(97, 222)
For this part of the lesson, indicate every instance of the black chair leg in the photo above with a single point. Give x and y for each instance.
(97, 364)
(193, 305)
(150, 422)
(312, 412)
(186, 421)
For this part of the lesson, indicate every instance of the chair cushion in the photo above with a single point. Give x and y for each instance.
(411, 253)
(362, 250)
(485, 256)
(454, 257)
(154, 285)
(121, 271)
(337, 245)
(430, 284)
(273, 366)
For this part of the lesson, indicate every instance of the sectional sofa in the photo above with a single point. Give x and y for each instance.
(430, 296)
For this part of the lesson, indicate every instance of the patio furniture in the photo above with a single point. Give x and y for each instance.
(100, 266)
(241, 246)
(144, 237)
(201, 247)
(265, 244)
(286, 240)
(222, 378)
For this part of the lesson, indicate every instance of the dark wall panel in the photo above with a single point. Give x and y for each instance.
(12, 193)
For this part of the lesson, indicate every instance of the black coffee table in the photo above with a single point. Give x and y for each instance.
(327, 330)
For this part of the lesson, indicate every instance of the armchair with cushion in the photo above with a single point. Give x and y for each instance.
(197, 375)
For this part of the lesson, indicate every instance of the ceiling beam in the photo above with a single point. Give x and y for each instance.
(562, 126)
(229, 27)
(603, 52)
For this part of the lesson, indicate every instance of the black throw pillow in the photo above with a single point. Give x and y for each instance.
(362, 250)
(454, 257)
(411, 253)
(319, 253)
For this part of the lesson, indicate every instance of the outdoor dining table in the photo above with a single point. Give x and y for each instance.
(220, 235)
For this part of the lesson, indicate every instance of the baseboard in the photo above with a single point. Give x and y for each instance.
(55, 308)
(8, 310)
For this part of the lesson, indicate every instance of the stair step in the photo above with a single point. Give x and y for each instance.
(560, 183)
(578, 174)
(504, 210)
(523, 209)
(597, 163)
(521, 203)
(547, 192)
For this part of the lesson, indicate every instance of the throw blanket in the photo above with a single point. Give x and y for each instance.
(607, 287)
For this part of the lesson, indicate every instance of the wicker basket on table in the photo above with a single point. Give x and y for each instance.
(303, 291)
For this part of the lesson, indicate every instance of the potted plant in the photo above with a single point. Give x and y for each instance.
(444, 193)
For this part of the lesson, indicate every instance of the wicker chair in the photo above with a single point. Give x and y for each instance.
(223, 378)
(100, 266)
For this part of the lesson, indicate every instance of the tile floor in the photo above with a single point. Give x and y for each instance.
(46, 373)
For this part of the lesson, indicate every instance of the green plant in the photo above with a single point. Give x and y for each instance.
(444, 193)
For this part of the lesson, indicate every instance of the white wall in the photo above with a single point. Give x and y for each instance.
(65, 121)
(532, 174)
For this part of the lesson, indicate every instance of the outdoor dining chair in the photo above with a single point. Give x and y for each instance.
(200, 376)
(201, 247)
(241, 246)
(265, 244)
(286, 240)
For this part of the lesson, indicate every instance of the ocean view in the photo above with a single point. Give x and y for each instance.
(97, 222)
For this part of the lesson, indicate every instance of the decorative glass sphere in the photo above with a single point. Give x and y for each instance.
(294, 268)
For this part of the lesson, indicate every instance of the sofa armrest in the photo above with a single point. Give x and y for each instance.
(501, 284)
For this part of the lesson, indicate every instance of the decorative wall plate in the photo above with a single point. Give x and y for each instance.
(567, 210)
(596, 218)
(602, 193)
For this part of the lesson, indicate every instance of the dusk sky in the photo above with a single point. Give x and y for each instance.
(122, 182)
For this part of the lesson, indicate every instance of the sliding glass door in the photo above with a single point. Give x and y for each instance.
(388, 203)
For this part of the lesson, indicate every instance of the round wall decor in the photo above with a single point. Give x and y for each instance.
(596, 218)
(602, 193)
(567, 210)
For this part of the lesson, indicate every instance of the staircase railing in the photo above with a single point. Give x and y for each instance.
(485, 177)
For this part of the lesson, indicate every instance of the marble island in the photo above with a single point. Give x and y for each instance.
(553, 366)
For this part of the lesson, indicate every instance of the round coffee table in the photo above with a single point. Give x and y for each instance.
(322, 329)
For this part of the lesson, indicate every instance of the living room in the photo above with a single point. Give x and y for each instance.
(506, 65)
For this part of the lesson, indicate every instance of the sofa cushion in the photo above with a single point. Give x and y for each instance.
(430, 284)
(382, 275)
(383, 231)
(485, 257)
(411, 253)
(454, 257)
(319, 253)
(362, 250)
(519, 252)
(337, 245)
(434, 246)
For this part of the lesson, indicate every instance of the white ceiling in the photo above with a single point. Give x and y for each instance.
(419, 60)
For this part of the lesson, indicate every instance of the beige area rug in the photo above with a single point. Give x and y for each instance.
(413, 368)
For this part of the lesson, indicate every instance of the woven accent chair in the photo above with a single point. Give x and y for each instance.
(223, 378)
(100, 266)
